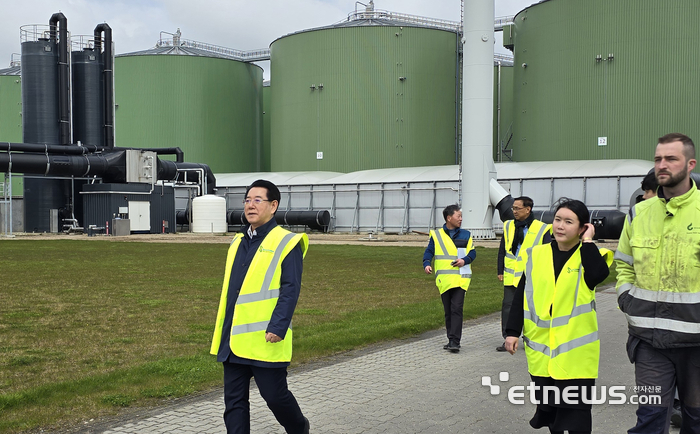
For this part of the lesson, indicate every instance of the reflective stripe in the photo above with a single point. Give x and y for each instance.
(563, 348)
(575, 343)
(578, 310)
(632, 214)
(509, 270)
(663, 296)
(519, 274)
(540, 234)
(467, 276)
(663, 324)
(258, 296)
(439, 272)
(275, 259)
(623, 288)
(249, 328)
(438, 257)
(532, 316)
(438, 236)
(540, 348)
(624, 257)
(511, 256)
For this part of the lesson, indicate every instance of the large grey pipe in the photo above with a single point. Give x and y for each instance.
(63, 75)
(108, 61)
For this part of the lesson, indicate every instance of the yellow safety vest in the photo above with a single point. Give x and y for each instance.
(560, 325)
(257, 299)
(514, 266)
(447, 276)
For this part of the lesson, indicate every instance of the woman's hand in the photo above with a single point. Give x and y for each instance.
(588, 233)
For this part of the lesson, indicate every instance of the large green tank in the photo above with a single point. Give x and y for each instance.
(209, 106)
(267, 115)
(366, 94)
(11, 115)
(623, 71)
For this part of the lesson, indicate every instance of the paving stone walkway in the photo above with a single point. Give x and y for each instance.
(413, 386)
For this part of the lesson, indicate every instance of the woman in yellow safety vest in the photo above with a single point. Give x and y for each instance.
(558, 320)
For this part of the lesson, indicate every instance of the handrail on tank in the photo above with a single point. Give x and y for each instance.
(454, 26)
(245, 56)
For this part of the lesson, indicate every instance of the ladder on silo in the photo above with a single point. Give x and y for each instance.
(6, 205)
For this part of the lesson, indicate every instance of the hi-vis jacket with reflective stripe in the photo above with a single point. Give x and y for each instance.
(560, 326)
(658, 270)
(257, 299)
(514, 266)
(447, 276)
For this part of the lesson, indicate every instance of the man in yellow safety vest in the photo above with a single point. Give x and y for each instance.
(452, 271)
(253, 332)
(518, 235)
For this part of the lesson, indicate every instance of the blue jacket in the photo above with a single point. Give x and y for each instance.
(290, 285)
(455, 234)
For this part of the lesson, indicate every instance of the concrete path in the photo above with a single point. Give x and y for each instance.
(414, 386)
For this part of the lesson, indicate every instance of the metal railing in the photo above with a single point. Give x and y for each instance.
(231, 53)
(453, 26)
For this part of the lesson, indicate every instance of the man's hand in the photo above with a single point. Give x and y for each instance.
(511, 344)
(500, 277)
(458, 263)
(428, 269)
(272, 338)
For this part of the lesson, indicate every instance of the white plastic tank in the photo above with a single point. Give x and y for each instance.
(209, 214)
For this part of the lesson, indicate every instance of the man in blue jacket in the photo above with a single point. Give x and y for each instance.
(449, 278)
(264, 263)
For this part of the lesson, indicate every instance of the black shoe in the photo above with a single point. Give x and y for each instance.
(502, 348)
(454, 347)
(676, 415)
(446, 346)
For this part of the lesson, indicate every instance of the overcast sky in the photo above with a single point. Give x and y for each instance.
(244, 25)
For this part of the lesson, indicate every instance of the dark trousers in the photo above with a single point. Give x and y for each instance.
(453, 302)
(508, 294)
(272, 384)
(664, 370)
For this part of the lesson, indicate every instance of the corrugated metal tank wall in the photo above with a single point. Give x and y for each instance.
(11, 116)
(210, 107)
(267, 113)
(366, 116)
(502, 130)
(564, 99)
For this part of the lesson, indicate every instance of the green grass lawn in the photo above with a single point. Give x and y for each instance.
(89, 327)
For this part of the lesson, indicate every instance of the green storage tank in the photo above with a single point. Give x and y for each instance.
(209, 106)
(11, 116)
(267, 113)
(623, 71)
(502, 109)
(364, 94)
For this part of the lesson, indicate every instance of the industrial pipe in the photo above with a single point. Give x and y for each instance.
(48, 149)
(108, 62)
(168, 170)
(501, 200)
(314, 219)
(63, 75)
(608, 223)
(110, 166)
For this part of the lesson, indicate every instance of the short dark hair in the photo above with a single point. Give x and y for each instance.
(527, 202)
(273, 193)
(649, 182)
(578, 208)
(449, 210)
(688, 145)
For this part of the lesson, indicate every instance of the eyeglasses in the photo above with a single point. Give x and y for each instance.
(256, 201)
(516, 208)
